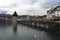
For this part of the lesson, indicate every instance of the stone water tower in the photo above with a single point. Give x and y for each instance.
(15, 21)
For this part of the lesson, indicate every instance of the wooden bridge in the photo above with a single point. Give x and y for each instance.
(53, 24)
(7, 18)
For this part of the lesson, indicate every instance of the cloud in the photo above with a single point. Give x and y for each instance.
(51, 3)
(23, 7)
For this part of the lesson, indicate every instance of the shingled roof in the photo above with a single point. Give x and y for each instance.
(15, 14)
(53, 9)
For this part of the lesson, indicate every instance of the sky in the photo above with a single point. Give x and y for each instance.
(28, 7)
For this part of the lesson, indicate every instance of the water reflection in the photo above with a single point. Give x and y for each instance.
(15, 30)
(21, 32)
(54, 35)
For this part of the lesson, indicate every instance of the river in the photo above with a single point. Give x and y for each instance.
(24, 33)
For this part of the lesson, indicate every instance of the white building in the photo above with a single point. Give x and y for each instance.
(53, 12)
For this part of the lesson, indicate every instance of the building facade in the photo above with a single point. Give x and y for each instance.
(53, 12)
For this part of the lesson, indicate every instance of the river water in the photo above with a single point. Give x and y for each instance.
(24, 33)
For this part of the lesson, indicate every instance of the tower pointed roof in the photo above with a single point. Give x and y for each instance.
(15, 14)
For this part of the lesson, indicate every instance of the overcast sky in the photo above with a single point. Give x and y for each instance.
(29, 7)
